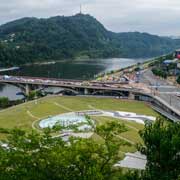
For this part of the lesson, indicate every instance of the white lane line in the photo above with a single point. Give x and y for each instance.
(161, 86)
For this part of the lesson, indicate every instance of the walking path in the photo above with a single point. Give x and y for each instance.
(34, 122)
(64, 107)
(133, 161)
(31, 115)
(125, 139)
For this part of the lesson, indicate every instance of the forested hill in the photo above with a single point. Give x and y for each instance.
(30, 40)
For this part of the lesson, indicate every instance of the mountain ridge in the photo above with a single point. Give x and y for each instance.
(29, 39)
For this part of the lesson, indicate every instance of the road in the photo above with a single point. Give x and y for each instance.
(168, 92)
(66, 84)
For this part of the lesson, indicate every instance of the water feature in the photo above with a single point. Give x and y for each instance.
(10, 91)
(75, 118)
(64, 120)
(77, 69)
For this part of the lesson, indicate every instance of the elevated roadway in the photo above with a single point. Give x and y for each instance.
(64, 83)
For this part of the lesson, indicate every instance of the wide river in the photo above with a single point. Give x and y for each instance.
(79, 69)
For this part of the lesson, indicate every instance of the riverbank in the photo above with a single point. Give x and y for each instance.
(77, 69)
(130, 69)
(9, 69)
(74, 69)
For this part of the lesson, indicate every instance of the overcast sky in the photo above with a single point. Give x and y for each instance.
(154, 16)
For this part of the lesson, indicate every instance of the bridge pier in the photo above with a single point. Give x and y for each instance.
(86, 91)
(131, 96)
(27, 89)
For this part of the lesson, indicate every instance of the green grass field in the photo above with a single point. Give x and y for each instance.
(26, 115)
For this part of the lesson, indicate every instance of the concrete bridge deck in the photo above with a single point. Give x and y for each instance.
(63, 83)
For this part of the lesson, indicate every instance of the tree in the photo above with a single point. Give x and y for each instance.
(36, 156)
(178, 79)
(159, 72)
(31, 95)
(4, 102)
(162, 148)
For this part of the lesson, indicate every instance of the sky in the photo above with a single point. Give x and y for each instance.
(159, 17)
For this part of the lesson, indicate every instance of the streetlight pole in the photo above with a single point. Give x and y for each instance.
(170, 100)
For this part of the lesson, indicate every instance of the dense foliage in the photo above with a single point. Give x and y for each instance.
(4, 102)
(162, 148)
(159, 72)
(31, 156)
(178, 79)
(34, 156)
(30, 40)
(34, 95)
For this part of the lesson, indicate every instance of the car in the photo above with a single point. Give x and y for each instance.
(6, 77)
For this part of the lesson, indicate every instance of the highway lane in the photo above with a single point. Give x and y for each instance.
(173, 100)
(62, 83)
(168, 92)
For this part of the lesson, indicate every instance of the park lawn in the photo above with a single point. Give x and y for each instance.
(23, 116)
(131, 135)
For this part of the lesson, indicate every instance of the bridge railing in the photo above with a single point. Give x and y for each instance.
(44, 78)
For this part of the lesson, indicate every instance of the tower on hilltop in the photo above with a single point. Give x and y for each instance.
(80, 9)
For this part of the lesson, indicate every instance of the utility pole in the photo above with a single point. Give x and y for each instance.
(170, 100)
(80, 9)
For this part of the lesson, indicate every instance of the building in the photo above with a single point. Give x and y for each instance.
(171, 66)
(178, 65)
(169, 61)
(177, 54)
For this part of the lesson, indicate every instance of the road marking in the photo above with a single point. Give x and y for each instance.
(164, 86)
(64, 107)
(175, 93)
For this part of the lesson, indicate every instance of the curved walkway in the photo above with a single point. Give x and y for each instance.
(64, 107)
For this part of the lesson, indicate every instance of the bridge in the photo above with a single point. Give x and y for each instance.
(75, 86)
(79, 87)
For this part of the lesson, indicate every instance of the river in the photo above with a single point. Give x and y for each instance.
(78, 69)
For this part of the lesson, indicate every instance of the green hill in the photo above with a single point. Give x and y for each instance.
(30, 40)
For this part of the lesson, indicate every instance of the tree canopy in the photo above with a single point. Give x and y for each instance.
(35, 156)
(31, 156)
(162, 148)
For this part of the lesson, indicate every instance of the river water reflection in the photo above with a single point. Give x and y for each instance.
(79, 69)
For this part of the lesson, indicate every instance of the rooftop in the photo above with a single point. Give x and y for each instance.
(133, 161)
(168, 61)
